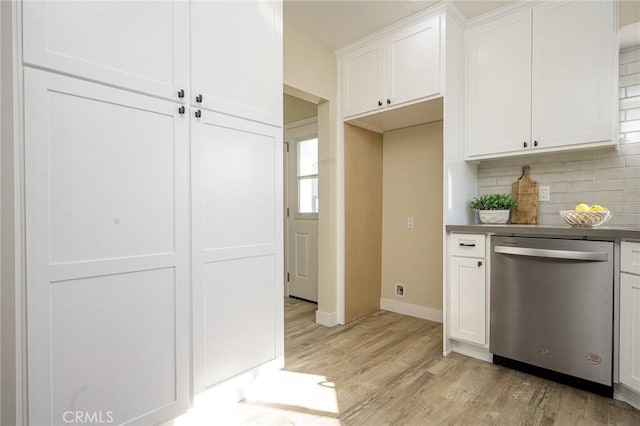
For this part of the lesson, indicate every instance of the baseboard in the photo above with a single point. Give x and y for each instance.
(411, 310)
(328, 319)
(472, 350)
(623, 393)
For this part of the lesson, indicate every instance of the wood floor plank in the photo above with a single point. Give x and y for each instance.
(388, 369)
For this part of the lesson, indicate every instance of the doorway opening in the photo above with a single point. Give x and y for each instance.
(301, 195)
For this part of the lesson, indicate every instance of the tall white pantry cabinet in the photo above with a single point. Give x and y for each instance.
(153, 203)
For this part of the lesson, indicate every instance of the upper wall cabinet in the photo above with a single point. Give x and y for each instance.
(542, 79)
(134, 45)
(402, 67)
(241, 73)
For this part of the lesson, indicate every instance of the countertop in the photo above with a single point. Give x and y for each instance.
(606, 232)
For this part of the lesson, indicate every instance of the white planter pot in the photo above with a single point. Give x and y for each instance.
(494, 216)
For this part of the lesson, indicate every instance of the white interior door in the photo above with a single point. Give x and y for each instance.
(302, 209)
(107, 255)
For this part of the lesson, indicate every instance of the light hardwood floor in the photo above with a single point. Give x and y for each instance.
(388, 369)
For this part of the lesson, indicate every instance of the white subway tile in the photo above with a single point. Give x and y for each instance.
(626, 196)
(551, 219)
(575, 197)
(580, 175)
(632, 138)
(630, 149)
(624, 220)
(622, 93)
(559, 166)
(557, 187)
(519, 161)
(632, 67)
(621, 173)
(631, 114)
(584, 154)
(629, 103)
(487, 181)
(630, 126)
(622, 115)
(632, 185)
(499, 171)
(630, 56)
(630, 80)
(580, 186)
(631, 91)
(632, 208)
(610, 185)
(507, 180)
(554, 208)
(632, 161)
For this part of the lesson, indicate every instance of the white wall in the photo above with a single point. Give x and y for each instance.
(310, 67)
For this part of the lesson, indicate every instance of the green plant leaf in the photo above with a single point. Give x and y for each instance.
(493, 202)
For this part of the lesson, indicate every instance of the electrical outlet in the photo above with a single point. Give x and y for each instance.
(411, 224)
(400, 289)
(544, 193)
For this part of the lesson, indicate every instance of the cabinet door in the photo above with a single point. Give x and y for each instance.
(136, 45)
(413, 58)
(236, 58)
(499, 86)
(468, 299)
(363, 80)
(630, 330)
(107, 236)
(573, 81)
(237, 246)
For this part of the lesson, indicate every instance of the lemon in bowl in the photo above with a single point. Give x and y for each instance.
(582, 207)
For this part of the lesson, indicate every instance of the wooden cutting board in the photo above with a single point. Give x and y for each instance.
(526, 192)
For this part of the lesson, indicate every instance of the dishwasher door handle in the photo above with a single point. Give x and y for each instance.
(554, 254)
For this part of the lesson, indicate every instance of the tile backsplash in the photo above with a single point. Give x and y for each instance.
(603, 176)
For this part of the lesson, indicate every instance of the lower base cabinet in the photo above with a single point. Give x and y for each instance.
(468, 288)
(630, 316)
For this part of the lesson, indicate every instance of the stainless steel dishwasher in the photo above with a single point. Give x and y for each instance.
(552, 309)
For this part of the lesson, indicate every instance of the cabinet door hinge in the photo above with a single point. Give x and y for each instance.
(287, 144)
(287, 211)
(288, 277)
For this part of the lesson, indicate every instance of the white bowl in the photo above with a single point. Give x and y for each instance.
(585, 219)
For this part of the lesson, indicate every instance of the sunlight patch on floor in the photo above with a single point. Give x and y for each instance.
(276, 398)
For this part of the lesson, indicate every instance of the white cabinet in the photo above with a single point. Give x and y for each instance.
(499, 85)
(143, 46)
(630, 315)
(236, 58)
(144, 207)
(467, 289)
(402, 67)
(542, 79)
(107, 237)
(237, 254)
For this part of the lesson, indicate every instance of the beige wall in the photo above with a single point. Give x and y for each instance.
(629, 12)
(296, 109)
(310, 67)
(412, 186)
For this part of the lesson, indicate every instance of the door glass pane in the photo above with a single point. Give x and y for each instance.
(308, 195)
(308, 157)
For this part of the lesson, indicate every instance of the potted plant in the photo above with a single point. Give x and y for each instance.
(493, 208)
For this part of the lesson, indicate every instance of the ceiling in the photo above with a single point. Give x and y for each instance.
(337, 23)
